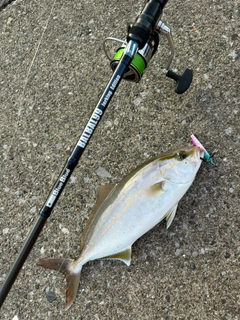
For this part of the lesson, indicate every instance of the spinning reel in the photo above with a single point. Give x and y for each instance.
(142, 58)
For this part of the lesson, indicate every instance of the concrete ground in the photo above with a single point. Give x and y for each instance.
(53, 71)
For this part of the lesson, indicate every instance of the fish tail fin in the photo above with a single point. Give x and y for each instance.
(72, 278)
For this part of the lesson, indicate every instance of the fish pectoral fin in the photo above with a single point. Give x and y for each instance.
(156, 189)
(124, 256)
(170, 215)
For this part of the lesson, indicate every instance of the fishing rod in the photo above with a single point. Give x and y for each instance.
(129, 62)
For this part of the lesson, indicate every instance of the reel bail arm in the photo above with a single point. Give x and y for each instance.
(183, 81)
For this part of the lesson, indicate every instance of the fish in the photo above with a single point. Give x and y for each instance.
(125, 211)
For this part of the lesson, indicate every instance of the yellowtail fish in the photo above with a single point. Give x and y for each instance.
(125, 211)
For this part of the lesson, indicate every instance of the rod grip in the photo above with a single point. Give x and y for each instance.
(146, 22)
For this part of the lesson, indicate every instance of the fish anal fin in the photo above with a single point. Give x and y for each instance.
(170, 215)
(124, 256)
(64, 266)
(156, 189)
(103, 192)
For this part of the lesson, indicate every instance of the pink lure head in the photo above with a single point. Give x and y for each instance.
(197, 143)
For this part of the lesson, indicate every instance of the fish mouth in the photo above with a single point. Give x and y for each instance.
(198, 154)
(194, 153)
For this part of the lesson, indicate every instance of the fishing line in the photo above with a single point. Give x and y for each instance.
(21, 98)
(33, 59)
(32, 62)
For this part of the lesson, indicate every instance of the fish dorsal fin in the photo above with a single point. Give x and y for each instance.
(170, 215)
(124, 256)
(156, 189)
(103, 192)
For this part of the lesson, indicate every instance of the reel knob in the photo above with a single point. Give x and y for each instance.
(183, 81)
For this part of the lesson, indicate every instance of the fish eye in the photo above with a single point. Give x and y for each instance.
(182, 155)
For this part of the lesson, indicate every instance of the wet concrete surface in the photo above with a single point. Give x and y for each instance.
(53, 71)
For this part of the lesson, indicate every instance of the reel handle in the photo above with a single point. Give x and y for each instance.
(183, 81)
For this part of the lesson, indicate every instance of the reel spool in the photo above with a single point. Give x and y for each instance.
(140, 61)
